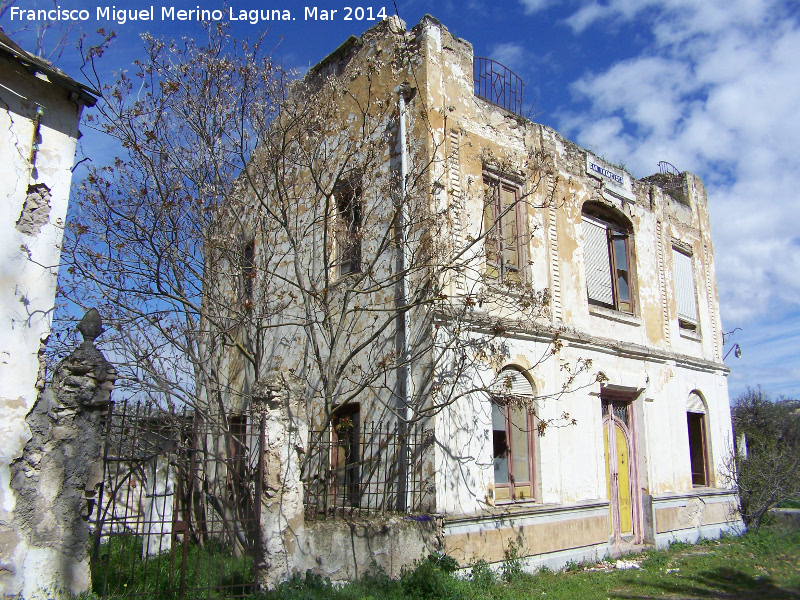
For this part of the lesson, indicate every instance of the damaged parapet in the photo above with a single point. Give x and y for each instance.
(56, 478)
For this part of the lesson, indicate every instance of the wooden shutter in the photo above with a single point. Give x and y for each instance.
(492, 239)
(512, 382)
(684, 286)
(597, 260)
(509, 229)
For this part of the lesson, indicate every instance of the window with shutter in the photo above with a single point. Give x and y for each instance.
(512, 437)
(685, 294)
(606, 250)
(502, 222)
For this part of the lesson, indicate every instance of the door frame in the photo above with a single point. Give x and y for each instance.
(629, 430)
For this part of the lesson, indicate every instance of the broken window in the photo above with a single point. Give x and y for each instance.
(512, 437)
(607, 252)
(685, 294)
(348, 229)
(698, 453)
(503, 219)
(345, 458)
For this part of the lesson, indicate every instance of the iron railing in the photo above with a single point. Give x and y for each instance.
(497, 84)
(671, 175)
(178, 514)
(371, 468)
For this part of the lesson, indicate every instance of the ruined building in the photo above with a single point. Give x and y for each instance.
(477, 323)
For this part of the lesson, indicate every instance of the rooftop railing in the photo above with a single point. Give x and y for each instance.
(497, 84)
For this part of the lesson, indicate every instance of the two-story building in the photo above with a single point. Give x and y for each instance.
(547, 322)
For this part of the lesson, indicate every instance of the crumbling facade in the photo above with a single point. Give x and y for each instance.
(39, 115)
(587, 410)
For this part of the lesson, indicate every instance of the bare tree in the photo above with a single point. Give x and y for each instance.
(766, 467)
(48, 37)
(255, 226)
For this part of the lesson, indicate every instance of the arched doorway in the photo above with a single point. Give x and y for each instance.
(621, 474)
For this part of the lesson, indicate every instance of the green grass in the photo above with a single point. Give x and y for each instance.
(211, 571)
(758, 565)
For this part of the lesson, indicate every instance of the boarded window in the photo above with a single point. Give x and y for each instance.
(502, 221)
(685, 294)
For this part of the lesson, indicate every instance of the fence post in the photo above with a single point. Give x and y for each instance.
(61, 469)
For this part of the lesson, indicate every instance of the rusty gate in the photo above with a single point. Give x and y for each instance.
(178, 511)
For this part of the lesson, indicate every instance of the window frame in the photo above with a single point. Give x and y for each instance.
(500, 400)
(348, 489)
(347, 229)
(699, 415)
(494, 225)
(248, 271)
(686, 324)
(614, 232)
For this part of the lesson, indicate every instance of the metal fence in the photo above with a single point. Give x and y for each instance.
(356, 469)
(178, 512)
(497, 84)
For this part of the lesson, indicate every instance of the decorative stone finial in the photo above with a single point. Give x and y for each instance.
(91, 326)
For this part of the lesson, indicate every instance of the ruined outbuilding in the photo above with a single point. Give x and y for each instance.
(554, 338)
(40, 108)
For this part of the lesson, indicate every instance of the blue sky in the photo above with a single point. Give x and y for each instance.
(712, 86)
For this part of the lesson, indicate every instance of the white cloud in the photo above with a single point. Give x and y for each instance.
(534, 6)
(716, 92)
(509, 54)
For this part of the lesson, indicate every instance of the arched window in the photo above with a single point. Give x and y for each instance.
(512, 436)
(698, 448)
(607, 258)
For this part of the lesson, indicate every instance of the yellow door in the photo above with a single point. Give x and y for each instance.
(608, 482)
(623, 483)
(618, 479)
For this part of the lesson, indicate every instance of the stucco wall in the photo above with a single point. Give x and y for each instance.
(30, 241)
(643, 353)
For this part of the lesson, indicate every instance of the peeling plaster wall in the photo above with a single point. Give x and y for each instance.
(644, 353)
(28, 238)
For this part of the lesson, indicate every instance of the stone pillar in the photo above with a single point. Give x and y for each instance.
(56, 478)
(282, 519)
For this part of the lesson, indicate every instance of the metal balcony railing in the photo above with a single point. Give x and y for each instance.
(497, 84)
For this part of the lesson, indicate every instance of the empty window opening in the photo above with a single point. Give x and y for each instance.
(345, 459)
(348, 229)
(698, 451)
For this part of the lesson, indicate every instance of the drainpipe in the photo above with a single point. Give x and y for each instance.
(402, 320)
